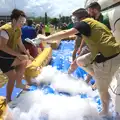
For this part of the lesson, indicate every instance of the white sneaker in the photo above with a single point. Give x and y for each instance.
(35, 42)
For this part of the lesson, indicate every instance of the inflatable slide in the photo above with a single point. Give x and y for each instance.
(40, 61)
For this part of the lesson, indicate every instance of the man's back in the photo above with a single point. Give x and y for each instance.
(28, 32)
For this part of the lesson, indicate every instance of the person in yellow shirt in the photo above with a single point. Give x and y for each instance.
(13, 55)
(104, 58)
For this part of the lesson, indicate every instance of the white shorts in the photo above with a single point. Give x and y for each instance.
(102, 72)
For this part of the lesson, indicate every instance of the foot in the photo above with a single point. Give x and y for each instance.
(8, 100)
(94, 87)
(87, 81)
(104, 113)
(22, 86)
(70, 70)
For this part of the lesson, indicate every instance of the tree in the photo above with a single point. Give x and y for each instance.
(46, 18)
(54, 21)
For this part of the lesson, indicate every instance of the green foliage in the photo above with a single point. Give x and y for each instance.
(65, 19)
(54, 21)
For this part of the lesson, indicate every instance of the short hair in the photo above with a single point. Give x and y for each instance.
(80, 13)
(94, 5)
(16, 14)
(29, 22)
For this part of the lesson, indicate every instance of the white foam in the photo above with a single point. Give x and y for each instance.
(62, 82)
(37, 106)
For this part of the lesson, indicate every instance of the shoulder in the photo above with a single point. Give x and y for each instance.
(4, 34)
(7, 26)
(81, 24)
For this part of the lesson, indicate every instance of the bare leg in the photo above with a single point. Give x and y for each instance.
(105, 102)
(74, 54)
(103, 76)
(88, 78)
(20, 72)
(73, 67)
(11, 76)
(21, 65)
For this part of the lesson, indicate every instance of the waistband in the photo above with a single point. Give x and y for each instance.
(100, 58)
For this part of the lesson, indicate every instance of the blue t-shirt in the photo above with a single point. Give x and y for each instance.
(28, 32)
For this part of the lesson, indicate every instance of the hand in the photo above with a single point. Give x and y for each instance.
(31, 58)
(41, 37)
(23, 57)
(28, 54)
(79, 51)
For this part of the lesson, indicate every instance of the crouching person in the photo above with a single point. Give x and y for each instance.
(13, 55)
(105, 52)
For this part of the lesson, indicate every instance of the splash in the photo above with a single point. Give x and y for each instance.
(36, 105)
(62, 82)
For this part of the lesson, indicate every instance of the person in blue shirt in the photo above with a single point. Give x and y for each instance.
(28, 31)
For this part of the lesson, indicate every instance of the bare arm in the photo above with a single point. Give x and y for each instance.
(80, 48)
(81, 45)
(60, 35)
(23, 49)
(5, 48)
(21, 46)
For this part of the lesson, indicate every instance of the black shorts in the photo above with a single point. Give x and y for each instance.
(6, 61)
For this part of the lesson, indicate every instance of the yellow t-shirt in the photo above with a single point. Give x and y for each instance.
(14, 36)
(101, 39)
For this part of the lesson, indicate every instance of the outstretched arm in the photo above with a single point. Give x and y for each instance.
(59, 35)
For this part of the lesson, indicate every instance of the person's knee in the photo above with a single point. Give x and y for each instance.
(24, 63)
(79, 63)
(21, 67)
(19, 62)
